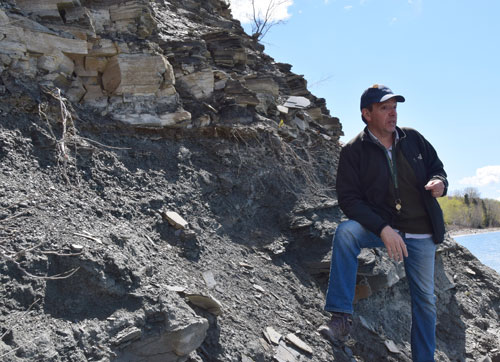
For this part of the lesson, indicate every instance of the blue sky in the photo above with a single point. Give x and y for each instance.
(443, 56)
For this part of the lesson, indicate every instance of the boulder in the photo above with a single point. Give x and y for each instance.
(76, 90)
(199, 85)
(264, 85)
(44, 43)
(95, 63)
(80, 69)
(315, 113)
(167, 345)
(137, 74)
(56, 61)
(173, 119)
(297, 85)
(227, 49)
(241, 94)
(331, 124)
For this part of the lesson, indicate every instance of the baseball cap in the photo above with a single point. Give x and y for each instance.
(378, 93)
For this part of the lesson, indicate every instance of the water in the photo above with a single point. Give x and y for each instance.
(484, 246)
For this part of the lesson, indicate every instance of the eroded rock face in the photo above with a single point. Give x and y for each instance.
(111, 54)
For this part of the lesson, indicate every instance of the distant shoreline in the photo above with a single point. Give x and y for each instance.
(463, 232)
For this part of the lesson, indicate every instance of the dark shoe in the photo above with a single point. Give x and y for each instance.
(338, 328)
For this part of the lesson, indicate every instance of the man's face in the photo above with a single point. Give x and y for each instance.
(382, 119)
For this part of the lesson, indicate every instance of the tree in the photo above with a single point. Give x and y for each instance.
(486, 214)
(472, 192)
(475, 216)
(453, 210)
(466, 200)
(467, 209)
(494, 211)
(262, 21)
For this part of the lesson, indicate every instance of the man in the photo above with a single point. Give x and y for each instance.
(388, 180)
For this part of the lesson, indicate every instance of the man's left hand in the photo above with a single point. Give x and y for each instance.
(436, 187)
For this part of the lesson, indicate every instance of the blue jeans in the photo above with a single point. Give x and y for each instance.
(350, 238)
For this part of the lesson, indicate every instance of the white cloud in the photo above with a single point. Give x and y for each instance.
(484, 176)
(348, 7)
(417, 5)
(242, 9)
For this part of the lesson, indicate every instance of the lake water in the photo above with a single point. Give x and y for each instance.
(484, 246)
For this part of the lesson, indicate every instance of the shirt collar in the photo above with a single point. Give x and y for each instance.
(396, 140)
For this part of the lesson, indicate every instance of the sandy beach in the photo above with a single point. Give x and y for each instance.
(462, 232)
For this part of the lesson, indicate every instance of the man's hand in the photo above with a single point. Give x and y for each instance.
(436, 187)
(396, 247)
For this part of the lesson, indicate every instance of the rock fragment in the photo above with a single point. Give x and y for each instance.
(297, 102)
(272, 336)
(208, 277)
(391, 346)
(297, 342)
(175, 219)
(259, 288)
(76, 248)
(127, 335)
(208, 303)
(176, 288)
(286, 354)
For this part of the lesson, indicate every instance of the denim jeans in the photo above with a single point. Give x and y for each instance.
(350, 237)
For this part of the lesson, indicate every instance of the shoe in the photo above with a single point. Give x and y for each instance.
(339, 327)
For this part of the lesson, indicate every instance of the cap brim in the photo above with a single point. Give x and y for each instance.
(390, 96)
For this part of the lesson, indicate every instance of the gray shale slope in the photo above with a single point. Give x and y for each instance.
(167, 195)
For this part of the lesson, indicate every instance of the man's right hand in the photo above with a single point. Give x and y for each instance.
(396, 247)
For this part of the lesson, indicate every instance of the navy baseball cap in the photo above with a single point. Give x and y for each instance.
(378, 93)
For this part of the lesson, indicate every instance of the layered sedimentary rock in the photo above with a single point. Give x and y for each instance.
(113, 55)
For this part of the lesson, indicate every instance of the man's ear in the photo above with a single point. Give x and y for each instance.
(365, 112)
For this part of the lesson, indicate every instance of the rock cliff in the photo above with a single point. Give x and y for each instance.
(167, 195)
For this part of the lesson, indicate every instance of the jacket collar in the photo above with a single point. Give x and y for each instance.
(365, 134)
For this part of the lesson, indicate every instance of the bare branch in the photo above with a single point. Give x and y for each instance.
(63, 275)
(262, 22)
(149, 239)
(322, 80)
(88, 236)
(53, 252)
(23, 252)
(68, 132)
(13, 259)
(103, 145)
(14, 216)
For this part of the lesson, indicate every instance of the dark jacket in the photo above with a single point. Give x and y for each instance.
(363, 180)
